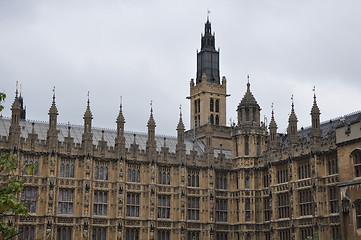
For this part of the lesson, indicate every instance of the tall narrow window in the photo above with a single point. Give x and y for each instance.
(64, 233)
(193, 178)
(247, 204)
(265, 179)
(133, 173)
(247, 114)
(163, 235)
(221, 236)
(221, 180)
(336, 235)
(65, 201)
(246, 145)
(211, 119)
(305, 202)
(332, 163)
(26, 233)
(356, 155)
(333, 199)
(31, 165)
(247, 180)
(101, 171)
(99, 233)
(164, 176)
(217, 105)
(283, 205)
(29, 196)
(306, 232)
(258, 148)
(193, 208)
(195, 107)
(193, 235)
(100, 203)
(282, 174)
(132, 234)
(133, 204)
(163, 206)
(67, 168)
(304, 170)
(221, 210)
(285, 234)
(266, 209)
(217, 120)
(211, 105)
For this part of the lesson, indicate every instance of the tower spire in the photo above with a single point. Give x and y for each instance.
(315, 117)
(52, 134)
(208, 57)
(292, 124)
(151, 145)
(87, 138)
(273, 130)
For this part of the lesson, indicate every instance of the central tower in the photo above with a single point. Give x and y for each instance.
(208, 57)
(208, 93)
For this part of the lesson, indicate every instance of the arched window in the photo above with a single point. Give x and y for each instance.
(211, 105)
(247, 114)
(246, 145)
(217, 120)
(217, 105)
(211, 119)
(96, 172)
(61, 170)
(356, 157)
(248, 237)
(67, 169)
(72, 170)
(247, 181)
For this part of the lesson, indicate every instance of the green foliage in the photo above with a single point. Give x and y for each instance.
(2, 98)
(314, 237)
(10, 189)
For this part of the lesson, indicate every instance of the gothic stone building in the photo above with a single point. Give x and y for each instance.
(239, 182)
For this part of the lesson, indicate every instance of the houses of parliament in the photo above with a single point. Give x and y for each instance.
(240, 182)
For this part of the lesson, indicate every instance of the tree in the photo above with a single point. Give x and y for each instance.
(10, 190)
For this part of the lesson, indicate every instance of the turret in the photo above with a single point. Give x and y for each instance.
(151, 144)
(14, 130)
(52, 134)
(87, 138)
(292, 125)
(248, 109)
(315, 118)
(180, 147)
(273, 131)
(120, 139)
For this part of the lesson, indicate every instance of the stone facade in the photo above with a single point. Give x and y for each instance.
(239, 182)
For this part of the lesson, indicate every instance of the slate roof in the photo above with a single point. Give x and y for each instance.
(76, 132)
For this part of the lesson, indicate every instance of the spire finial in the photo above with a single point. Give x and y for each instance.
(292, 101)
(272, 109)
(208, 14)
(314, 94)
(16, 91)
(151, 106)
(121, 103)
(54, 94)
(88, 98)
(248, 84)
(180, 110)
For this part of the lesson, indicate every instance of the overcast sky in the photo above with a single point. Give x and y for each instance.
(146, 50)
